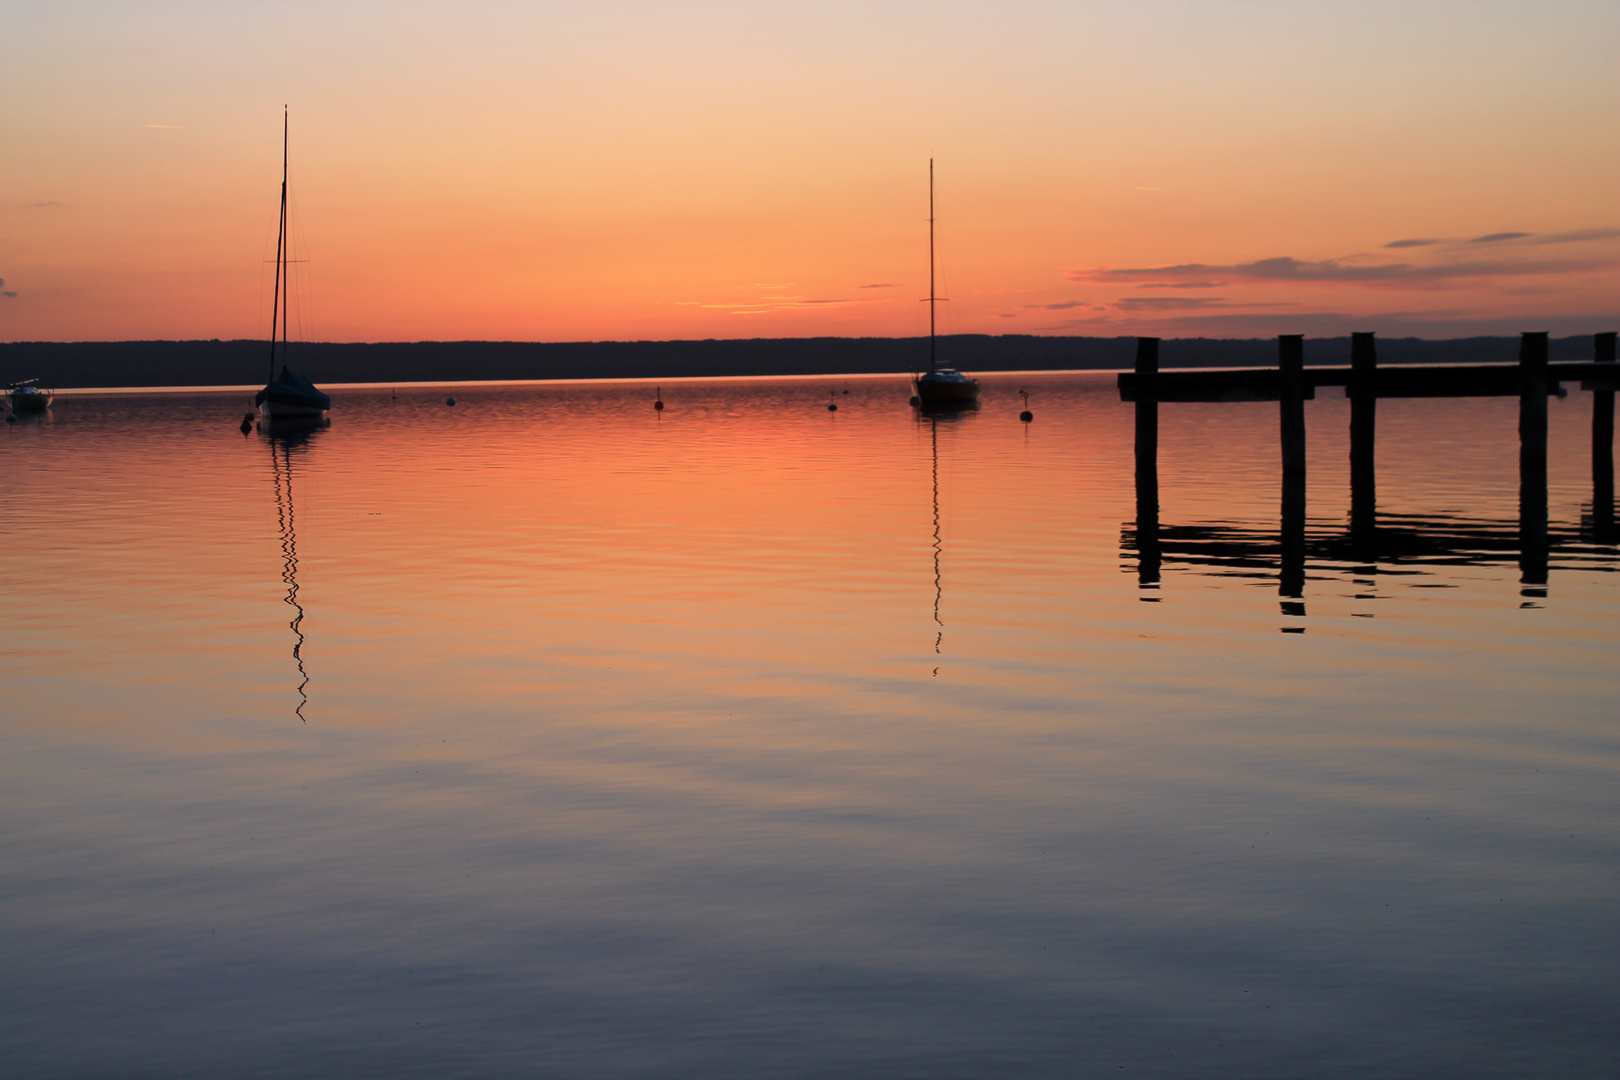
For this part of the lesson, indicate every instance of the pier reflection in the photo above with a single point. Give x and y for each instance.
(1399, 544)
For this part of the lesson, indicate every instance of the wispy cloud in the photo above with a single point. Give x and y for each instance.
(1574, 236)
(1168, 303)
(1063, 305)
(1579, 236)
(1389, 324)
(1331, 271)
(879, 286)
(767, 305)
(7, 293)
(1181, 285)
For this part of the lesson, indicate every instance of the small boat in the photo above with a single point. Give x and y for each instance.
(939, 388)
(289, 394)
(26, 397)
(944, 388)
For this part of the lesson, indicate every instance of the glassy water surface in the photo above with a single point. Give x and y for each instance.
(546, 735)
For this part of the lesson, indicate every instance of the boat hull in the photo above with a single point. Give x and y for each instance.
(933, 392)
(289, 410)
(36, 402)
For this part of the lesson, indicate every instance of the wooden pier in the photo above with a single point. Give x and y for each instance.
(1291, 384)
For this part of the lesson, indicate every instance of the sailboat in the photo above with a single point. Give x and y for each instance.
(939, 388)
(289, 394)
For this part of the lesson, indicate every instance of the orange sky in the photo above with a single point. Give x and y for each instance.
(637, 170)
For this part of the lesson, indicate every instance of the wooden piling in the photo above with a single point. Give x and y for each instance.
(1603, 447)
(1291, 408)
(1533, 459)
(1147, 462)
(1363, 393)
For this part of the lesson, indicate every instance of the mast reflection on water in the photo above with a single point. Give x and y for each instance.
(284, 437)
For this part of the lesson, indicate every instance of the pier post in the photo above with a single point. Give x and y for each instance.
(1603, 447)
(1363, 434)
(1147, 462)
(1291, 398)
(1533, 462)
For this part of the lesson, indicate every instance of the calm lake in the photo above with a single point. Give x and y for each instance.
(550, 736)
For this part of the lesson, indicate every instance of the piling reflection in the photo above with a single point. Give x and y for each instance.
(1602, 516)
(283, 437)
(1401, 545)
(1147, 466)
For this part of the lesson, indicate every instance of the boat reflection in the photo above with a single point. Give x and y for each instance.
(934, 417)
(939, 546)
(284, 437)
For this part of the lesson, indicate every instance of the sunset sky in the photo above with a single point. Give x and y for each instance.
(590, 171)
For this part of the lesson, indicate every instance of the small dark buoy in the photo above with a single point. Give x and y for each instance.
(11, 418)
(832, 406)
(846, 391)
(658, 399)
(915, 401)
(1026, 416)
(247, 423)
(449, 401)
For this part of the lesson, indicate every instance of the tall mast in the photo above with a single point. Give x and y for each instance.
(278, 312)
(931, 296)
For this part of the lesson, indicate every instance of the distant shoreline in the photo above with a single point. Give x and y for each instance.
(229, 365)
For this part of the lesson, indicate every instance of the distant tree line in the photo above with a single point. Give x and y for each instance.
(231, 363)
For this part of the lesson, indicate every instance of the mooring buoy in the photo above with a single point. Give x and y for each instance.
(1026, 416)
(449, 401)
(658, 399)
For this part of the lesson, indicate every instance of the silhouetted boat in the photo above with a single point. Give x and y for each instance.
(26, 397)
(939, 388)
(288, 394)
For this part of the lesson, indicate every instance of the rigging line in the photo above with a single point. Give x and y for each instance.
(931, 296)
(286, 252)
(305, 294)
(281, 249)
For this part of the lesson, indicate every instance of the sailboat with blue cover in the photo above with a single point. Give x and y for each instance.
(289, 394)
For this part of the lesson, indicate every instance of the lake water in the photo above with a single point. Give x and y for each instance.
(550, 736)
